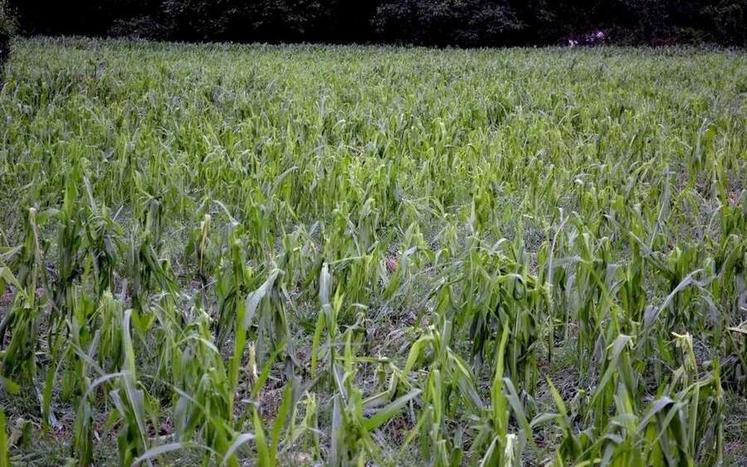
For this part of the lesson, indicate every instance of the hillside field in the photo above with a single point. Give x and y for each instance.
(327, 255)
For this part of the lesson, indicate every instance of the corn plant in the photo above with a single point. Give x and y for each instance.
(227, 254)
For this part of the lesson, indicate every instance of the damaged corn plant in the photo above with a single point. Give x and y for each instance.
(275, 255)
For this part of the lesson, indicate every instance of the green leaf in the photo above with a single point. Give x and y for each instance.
(390, 410)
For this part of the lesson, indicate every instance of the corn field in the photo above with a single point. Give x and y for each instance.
(305, 255)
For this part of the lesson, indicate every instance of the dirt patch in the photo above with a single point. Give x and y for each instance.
(6, 299)
(269, 403)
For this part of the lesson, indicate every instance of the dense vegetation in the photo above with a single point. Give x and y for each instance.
(425, 22)
(7, 27)
(350, 255)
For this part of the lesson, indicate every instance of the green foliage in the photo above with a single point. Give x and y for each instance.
(360, 255)
(7, 28)
(465, 23)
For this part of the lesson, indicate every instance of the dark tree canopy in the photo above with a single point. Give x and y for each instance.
(465, 22)
(7, 25)
(422, 22)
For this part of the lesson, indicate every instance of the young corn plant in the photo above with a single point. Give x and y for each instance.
(377, 256)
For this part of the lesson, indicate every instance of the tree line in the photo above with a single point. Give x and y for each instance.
(7, 27)
(420, 22)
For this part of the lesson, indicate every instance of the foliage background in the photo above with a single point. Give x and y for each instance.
(419, 22)
(7, 26)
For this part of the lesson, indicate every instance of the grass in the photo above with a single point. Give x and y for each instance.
(356, 255)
